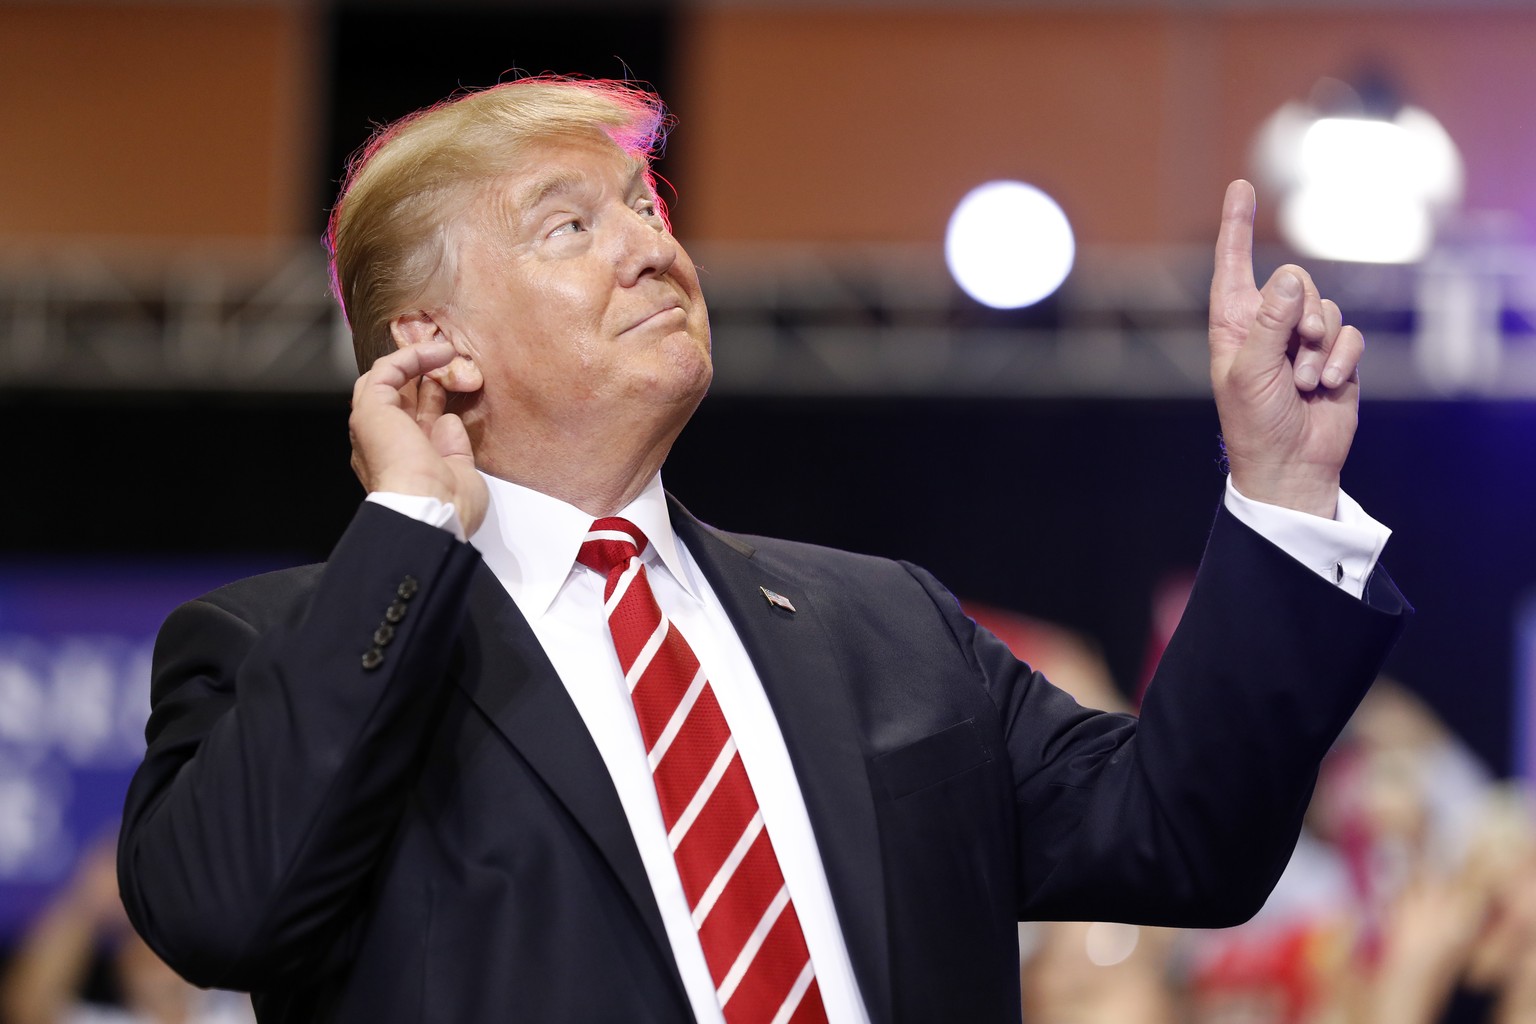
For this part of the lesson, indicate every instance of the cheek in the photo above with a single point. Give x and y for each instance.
(698, 321)
(576, 299)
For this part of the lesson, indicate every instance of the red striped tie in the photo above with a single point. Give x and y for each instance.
(747, 925)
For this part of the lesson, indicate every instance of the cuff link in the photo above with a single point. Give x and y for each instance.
(373, 657)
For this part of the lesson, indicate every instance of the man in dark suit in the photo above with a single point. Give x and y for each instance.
(409, 784)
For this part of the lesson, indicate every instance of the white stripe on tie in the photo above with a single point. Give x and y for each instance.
(675, 723)
(618, 535)
(727, 870)
(754, 943)
(796, 993)
(621, 587)
(643, 659)
(701, 797)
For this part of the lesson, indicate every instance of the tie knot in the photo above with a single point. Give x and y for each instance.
(609, 544)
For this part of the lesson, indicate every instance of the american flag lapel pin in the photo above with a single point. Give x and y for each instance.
(777, 600)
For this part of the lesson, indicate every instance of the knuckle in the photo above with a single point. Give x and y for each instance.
(1271, 317)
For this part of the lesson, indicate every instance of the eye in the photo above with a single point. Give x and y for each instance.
(568, 227)
(648, 208)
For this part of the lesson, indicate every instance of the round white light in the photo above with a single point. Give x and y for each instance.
(1008, 244)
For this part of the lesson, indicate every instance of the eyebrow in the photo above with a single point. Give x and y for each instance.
(561, 182)
(554, 184)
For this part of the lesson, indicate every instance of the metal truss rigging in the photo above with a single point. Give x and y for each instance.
(857, 320)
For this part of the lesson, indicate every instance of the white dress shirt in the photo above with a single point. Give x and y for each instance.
(1342, 550)
(530, 540)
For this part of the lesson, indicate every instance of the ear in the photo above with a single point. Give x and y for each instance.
(462, 372)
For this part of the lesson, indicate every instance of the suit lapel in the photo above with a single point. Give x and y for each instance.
(792, 653)
(509, 677)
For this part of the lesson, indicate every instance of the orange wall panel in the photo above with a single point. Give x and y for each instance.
(863, 125)
(178, 121)
(835, 126)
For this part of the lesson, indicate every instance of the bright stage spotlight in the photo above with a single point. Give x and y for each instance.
(1363, 184)
(1008, 244)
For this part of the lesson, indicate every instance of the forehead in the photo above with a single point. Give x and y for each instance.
(554, 168)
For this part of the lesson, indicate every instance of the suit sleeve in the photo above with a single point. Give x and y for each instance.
(1188, 816)
(285, 732)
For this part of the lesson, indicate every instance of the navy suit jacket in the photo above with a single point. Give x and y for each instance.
(412, 823)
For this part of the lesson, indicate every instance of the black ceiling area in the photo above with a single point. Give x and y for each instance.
(388, 60)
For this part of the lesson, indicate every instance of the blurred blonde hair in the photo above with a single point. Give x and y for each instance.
(389, 233)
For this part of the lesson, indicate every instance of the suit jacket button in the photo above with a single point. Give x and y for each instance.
(373, 658)
(384, 634)
(395, 612)
(407, 588)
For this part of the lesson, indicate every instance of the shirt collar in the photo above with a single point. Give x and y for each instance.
(529, 540)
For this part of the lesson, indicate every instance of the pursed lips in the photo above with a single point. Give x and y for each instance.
(658, 312)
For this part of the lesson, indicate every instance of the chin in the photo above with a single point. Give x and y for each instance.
(686, 358)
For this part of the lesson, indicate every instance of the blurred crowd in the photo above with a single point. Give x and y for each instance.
(1411, 898)
(81, 963)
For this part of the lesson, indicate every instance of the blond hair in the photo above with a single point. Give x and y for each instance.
(388, 232)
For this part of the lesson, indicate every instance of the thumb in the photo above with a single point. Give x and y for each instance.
(1274, 325)
(470, 495)
(450, 438)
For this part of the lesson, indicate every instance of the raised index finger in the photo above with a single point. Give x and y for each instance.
(1234, 242)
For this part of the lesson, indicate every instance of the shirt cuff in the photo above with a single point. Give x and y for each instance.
(1342, 550)
(431, 511)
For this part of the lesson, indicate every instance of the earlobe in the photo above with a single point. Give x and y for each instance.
(461, 374)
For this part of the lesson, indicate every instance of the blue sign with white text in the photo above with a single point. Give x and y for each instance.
(75, 648)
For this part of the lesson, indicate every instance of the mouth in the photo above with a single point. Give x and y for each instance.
(657, 316)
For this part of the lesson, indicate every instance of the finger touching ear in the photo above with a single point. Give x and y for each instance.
(461, 374)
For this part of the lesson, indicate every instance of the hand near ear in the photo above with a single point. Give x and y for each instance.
(403, 440)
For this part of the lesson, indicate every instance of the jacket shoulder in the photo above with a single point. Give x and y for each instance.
(264, 598)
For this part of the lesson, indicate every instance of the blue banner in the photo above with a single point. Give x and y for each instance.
(75, 649)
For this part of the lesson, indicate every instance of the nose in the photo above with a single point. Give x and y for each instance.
(646, 248)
